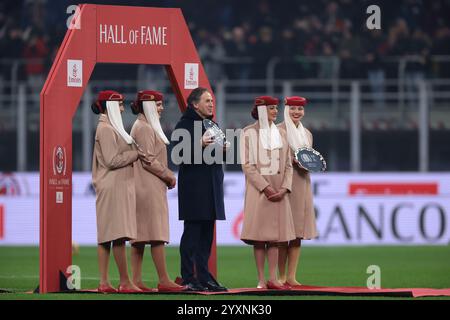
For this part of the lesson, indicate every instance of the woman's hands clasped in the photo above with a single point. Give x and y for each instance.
(143, 156)
(274, 195)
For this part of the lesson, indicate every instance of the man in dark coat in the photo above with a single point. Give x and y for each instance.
(200, 195)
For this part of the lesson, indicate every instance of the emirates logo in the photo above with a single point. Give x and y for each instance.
(190, 75)
(74, 73)
(74, 70)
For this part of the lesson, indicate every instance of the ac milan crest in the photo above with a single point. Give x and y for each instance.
(59, 160)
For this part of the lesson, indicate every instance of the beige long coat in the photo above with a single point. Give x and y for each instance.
(112, 178)
(301, 198)
(265, 220)
(152, 212)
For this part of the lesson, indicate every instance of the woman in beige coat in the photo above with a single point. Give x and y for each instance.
(152, 178)
(112, 178)
(268, 177)
(301, 198)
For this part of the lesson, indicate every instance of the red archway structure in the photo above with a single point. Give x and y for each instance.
(100, 34)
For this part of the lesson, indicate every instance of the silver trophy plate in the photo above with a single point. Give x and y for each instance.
(310, 159)
(215, 132)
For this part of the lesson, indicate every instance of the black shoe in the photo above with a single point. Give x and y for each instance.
(214, 286)
(194, 286)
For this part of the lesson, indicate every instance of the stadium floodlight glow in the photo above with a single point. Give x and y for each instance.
(104, 34)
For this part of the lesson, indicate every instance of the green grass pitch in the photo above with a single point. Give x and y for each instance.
(401, 267)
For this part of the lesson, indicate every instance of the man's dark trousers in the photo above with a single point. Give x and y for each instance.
(195, 249)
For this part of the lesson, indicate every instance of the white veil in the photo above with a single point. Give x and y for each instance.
(116, 120)
(152, 116)
(269, 136)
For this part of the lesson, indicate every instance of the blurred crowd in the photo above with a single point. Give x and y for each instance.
(237, 39)
(296, 31)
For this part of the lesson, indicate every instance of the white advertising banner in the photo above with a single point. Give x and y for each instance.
(351, 209)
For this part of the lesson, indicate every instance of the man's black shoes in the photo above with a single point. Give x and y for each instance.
(195, 286)
(214, 286)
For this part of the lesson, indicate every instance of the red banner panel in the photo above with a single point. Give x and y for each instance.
(393, 188)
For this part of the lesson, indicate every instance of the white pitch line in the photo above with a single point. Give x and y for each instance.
(19, 277)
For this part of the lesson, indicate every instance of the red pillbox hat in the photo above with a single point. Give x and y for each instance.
(295, 101)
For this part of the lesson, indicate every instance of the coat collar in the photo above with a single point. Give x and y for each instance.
(142, 117)
(282, 125)
(191, 114)
(103, 118)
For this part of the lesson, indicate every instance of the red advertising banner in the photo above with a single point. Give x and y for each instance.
(393, 188)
